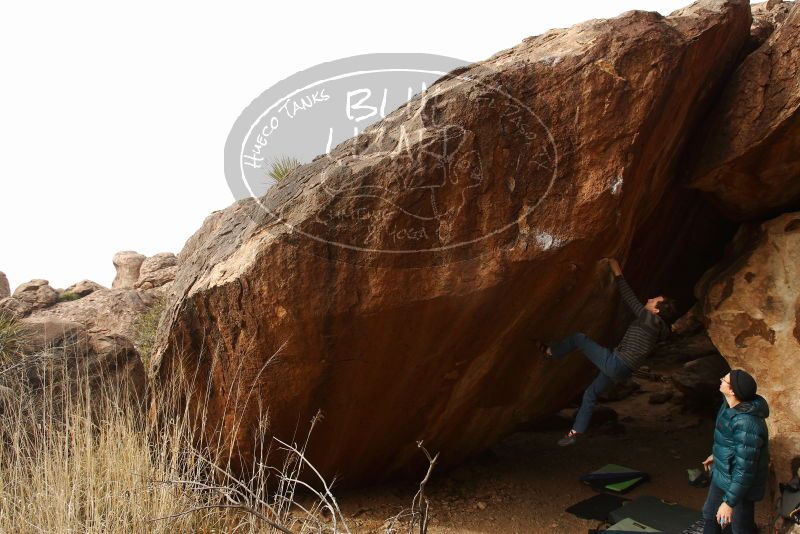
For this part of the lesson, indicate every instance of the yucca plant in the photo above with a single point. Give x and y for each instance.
(282, 166)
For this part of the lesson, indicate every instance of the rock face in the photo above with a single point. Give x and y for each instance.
(749, 159)
(94, 333)
(37, 294)
(698, 380)
(5, 290)
(157, 271)
(751, 303)
(15, 307)
(394, 283)
(106, 358)
(127, 263)
(83, 288)
(111, 310)
(767, 17)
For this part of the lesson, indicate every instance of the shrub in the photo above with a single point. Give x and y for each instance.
(68, 295)
(145, 327)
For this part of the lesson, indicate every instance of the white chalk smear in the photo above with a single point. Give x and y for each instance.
(547, 241)
(616, 187)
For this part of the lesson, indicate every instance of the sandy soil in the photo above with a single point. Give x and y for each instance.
(525, 483)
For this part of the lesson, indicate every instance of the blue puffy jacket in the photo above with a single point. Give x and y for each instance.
(741, 454)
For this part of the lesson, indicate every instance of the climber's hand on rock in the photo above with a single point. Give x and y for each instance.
(615, 268)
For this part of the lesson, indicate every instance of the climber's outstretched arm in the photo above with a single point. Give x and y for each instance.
(625, 290)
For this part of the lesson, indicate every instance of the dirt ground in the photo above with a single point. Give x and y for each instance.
(524, 484)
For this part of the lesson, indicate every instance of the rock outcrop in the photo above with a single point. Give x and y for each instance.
(157, 271)
(71, 353)
(751, 303)
(5, 289)
(127, 263)
(113, 311)
(767, 17)
(394, 283)
(748, 159)
(83, 288)
(37, 294)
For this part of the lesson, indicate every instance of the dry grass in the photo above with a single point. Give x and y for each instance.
(77, 456)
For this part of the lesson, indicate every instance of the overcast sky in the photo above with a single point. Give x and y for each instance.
(113, 118)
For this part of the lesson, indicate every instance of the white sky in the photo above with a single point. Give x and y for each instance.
(113, 117)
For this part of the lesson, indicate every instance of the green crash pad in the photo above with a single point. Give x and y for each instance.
(612, 473)
(615, 478)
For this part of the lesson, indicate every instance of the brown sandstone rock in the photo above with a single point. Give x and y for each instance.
(36, 293)
(15, 307)
(127, 263)
(157, 270)
(396, 280)
(698, 380)
(48, 332)
(93, 334)
(110, 310)
(83, 288)
(106, 359)
(752, 305)
(767, 17)
(5, 290)
(749, 157)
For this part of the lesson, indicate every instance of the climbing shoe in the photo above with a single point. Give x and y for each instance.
(570, 439)
(543, 348)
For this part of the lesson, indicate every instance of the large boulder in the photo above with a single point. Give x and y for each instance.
(748, 156)
(393, 283)
(751, 303)
(128, 264)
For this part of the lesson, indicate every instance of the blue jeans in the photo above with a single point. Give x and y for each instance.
(612, 369)
(742, 519)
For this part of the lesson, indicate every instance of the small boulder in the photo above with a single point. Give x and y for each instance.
(699, 379)
(83, 288)
(37, 293)
(15, 307)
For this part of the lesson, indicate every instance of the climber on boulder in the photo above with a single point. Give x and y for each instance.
(651, 325)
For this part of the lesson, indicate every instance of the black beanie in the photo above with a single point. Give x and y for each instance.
(743, 385)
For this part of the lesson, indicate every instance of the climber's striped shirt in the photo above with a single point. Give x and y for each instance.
(643, 333)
